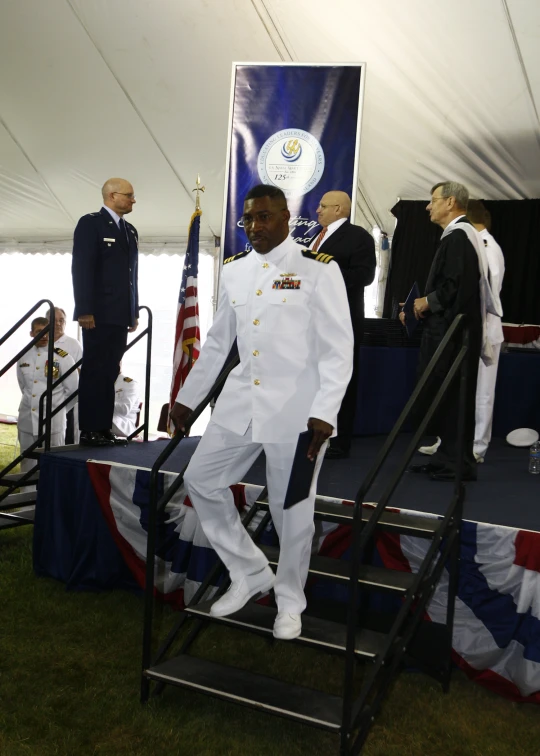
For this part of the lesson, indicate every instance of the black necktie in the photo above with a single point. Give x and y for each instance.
(124, 230)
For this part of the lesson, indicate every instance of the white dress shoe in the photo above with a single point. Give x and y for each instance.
(429, 450)
(240, 592)
(478, 457)
(287, 626)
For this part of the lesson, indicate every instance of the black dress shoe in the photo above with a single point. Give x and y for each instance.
(426, 469)
(336, 452)
(116, 440)
(450, 476)
(94, 438)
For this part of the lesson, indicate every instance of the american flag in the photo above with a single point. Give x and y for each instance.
(187, 339)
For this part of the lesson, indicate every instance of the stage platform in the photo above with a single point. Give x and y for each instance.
(504, 494)
(91, 529)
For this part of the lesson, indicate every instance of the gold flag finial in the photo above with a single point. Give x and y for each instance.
(198, 188)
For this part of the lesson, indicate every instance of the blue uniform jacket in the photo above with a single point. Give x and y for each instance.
(104, 270)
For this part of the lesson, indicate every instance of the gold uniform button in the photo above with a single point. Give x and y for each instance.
(265, 265)
(256, 322)
(33, 394)
(258, 292)
(255, 352)
(234, 301)
(284, 299)
(35, 381)
(33, 409)
(256, 381)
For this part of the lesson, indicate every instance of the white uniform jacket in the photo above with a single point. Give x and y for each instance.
(289, 311)
(126, 406)
(495, 260)
(71, 346)
(32, 371)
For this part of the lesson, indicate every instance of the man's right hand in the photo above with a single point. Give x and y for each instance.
(87, 321)
(402, 314)
(179, 415)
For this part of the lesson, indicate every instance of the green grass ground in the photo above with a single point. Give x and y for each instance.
(70, 674)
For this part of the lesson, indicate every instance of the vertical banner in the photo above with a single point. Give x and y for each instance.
(296, 127)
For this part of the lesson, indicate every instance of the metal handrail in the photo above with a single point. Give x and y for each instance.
(46, 437)
(159, 505)
(362, 533)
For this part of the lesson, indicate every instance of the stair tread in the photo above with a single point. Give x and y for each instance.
(257, 691)
(335, 511)
(315, 632)
(376, 577)
(12, 520)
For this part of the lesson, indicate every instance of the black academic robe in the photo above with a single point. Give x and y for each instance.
(454, 278)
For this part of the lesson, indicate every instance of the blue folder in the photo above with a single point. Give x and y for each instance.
(301, 473)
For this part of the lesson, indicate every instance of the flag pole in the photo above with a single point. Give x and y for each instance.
(198, 189)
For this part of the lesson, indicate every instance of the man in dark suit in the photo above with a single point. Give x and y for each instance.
(104, 269)
(452, 288)
(353, 248)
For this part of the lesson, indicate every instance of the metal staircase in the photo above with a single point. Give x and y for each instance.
(371, 655)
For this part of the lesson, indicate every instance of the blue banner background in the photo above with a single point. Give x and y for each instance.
(321, 100)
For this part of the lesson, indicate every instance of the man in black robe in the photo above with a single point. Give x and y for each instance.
(452, 288)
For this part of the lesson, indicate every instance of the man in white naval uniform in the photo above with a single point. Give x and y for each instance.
(126, 405)
(74, 349)
(32, 370)
(487, 374)
(288, 309)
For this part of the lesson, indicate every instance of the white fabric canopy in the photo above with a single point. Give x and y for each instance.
(140, 89)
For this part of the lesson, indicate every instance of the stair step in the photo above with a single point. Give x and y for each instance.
(373, 577)
(316, 632)
(24, 516)
(259, 692)
(334, 511)
(14, 501)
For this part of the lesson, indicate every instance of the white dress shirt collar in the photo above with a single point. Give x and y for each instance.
(329, 230)
(113, 215)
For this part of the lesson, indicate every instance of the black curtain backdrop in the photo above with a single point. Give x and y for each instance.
(515, 225)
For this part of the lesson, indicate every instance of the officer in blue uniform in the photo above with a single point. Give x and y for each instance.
(104, 270)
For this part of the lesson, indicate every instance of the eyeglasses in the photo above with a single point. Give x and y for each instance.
(126, 194)
(325, 206)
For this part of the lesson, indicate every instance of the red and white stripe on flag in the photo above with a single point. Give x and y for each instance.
(187, 339)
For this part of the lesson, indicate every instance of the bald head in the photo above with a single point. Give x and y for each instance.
(333, 206)
(118, 194)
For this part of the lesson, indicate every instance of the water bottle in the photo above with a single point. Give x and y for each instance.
(534, 458)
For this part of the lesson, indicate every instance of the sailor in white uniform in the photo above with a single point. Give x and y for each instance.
(487, 374)
(74, 349)
(126, 405)
(288, 309)
(32, 371)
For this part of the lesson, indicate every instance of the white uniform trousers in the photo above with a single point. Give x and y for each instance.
(221, 459)
(485, 399)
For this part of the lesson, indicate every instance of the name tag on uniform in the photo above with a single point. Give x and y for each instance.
(109, 240)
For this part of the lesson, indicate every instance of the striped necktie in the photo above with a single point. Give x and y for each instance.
(319, 239)
(124, 230)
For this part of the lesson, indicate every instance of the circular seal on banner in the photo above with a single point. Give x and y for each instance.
(293, 160)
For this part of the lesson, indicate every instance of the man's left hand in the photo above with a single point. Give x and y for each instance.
(421, 306)
(321, 431)
(134, 327)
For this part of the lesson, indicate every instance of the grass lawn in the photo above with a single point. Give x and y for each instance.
(70, 674)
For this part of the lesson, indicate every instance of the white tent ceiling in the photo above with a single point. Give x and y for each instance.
(140, 89)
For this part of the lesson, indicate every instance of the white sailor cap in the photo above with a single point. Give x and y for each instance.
(522, 437)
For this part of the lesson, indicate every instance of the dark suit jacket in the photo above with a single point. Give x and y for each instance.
(104, 270)
(353, 249)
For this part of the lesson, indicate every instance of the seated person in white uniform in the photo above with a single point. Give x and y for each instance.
(32, 370)
(287, 307)
(126, 405)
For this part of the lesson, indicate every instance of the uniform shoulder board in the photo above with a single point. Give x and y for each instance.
(61, 352)
(94, 214)
(319, 256)
(128, 380)
(236, 257)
